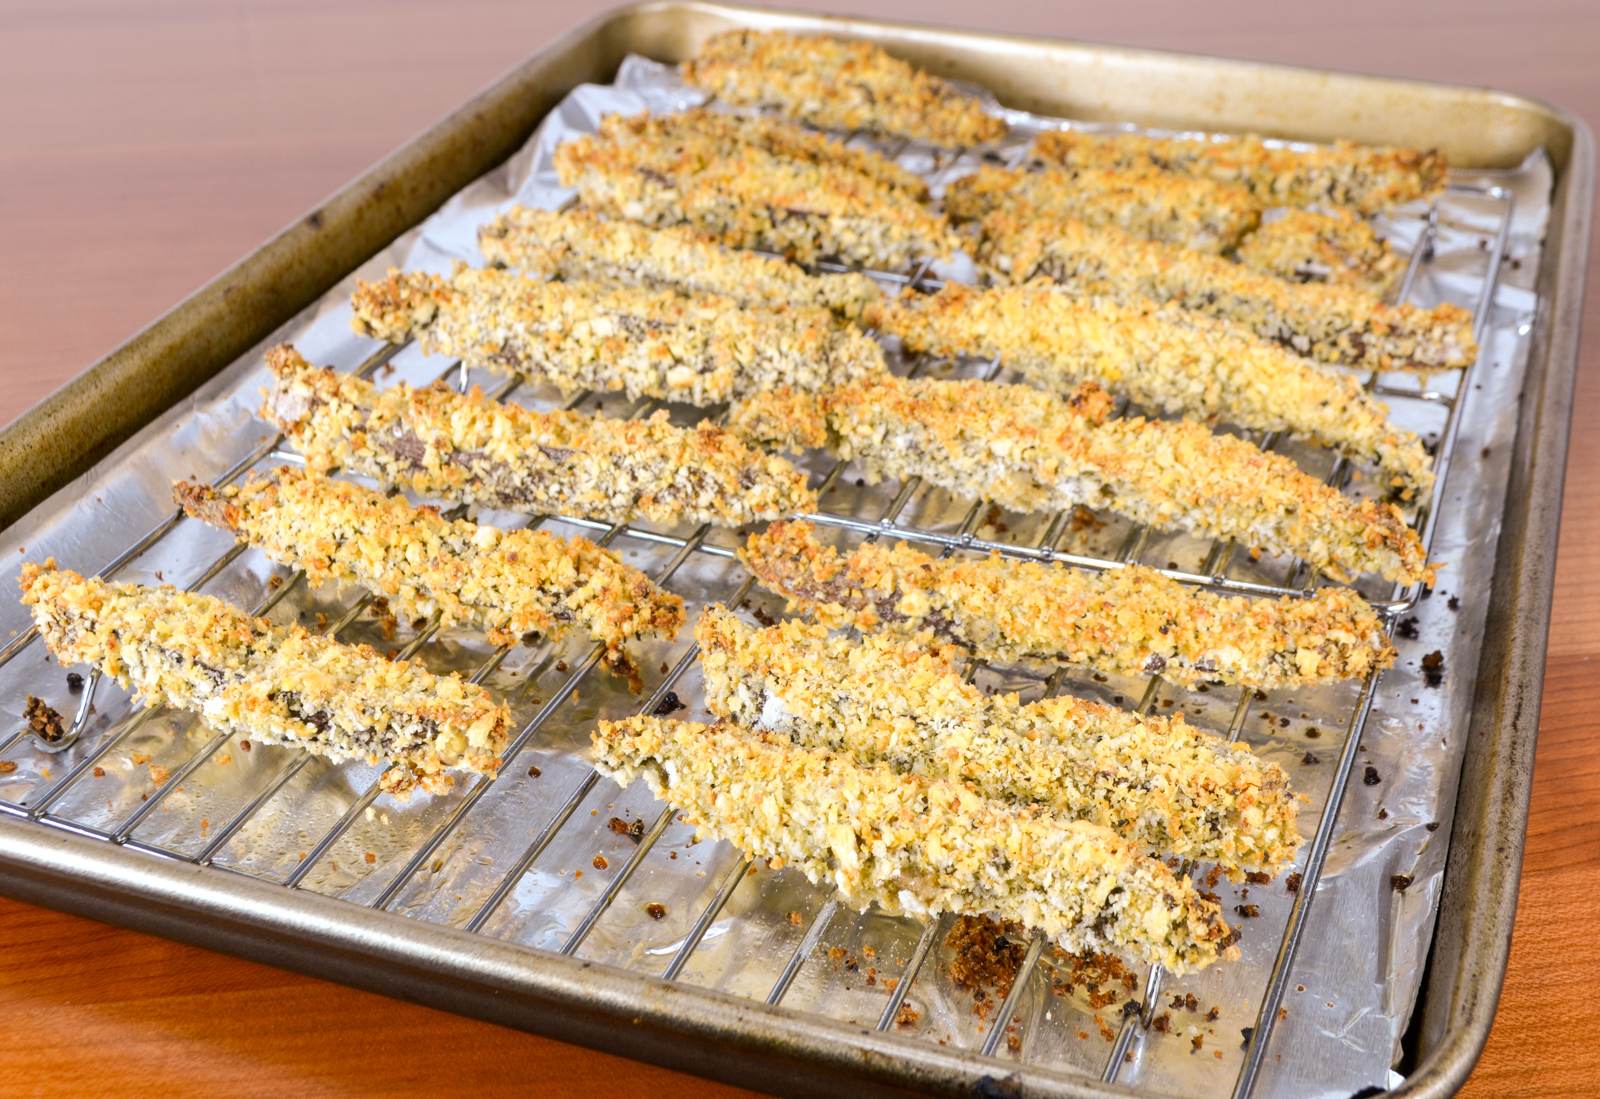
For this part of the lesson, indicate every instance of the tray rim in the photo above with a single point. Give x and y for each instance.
(597, 1006)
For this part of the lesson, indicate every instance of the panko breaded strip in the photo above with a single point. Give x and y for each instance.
(472, 450)
(683, 170)
(583, 335)
(1165, 358)
(1127, 621)
(1196, 213)
(1335, 324)
(505, 582)
(1315, 246)
(1156, 781)
(579, 245)
(1366, 178)
(783, 139)
(277, 684)
(915, 845)
(839, 85)
(1031, 451)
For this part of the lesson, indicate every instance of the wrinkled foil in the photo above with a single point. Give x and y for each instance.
(1356, 977)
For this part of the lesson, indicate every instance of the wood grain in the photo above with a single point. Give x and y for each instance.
(148, 144)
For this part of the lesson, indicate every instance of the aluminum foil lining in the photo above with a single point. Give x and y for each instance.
(1353, 985)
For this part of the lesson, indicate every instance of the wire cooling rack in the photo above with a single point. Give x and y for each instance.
(549, 855)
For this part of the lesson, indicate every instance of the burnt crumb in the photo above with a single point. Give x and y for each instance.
(599, 862)
(1313, 732)
(1310, 759)
(1214, 1014)
(1260, 696)
(1291, 884)
(762, 616)
(985, 959)
(664, 668)
(1433, 668)
(1196, 1043)
(74, 682)
(1383, 814)
(1187, 1001)
(861, 482)
(561, 665)
(1257, 877)
(670, 703)
(1484, 453)
(43, 720)
(1407, 629)
(1454, 602)
(656, 910)
(534, 772)
(907, 1016)
(1248, 911)
(1432, 826)
(1131, 1008)
(1427, 593)
(1370, 776)
(633, 829)
(1162, 1023)
(1400, 882)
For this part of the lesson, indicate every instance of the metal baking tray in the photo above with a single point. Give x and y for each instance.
(49, 858)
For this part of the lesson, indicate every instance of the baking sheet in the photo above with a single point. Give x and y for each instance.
(1359, 965)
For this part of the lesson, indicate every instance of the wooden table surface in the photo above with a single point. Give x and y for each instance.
(144, 146)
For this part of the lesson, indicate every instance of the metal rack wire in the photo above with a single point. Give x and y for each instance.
(42, 805)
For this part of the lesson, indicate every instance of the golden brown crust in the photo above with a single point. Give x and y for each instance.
(1030, 451)
(1366, 178)
(1323, 246)
(916, 845)
(1192, 212)
(579, 245)
(472, 450)
(1335, 324)
(507, 583)
(1165, 358)
(1127, 621)
(838, 85)
(579, 336)
(756, 183)
(1158, 782)
(281, 685)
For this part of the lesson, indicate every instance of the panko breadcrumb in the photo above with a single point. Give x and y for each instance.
(915, 845)
(1165, 358)
(277, 684)
(1332, 246)
(579, 245)
(1156, 781)
(839, 85)
(1127, 621)
(756, 183)
(1195, 213)
(1335, 324)
(1031, 451)
(472, 450)
(1366, 178)
(579, 336)
(505, 582)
